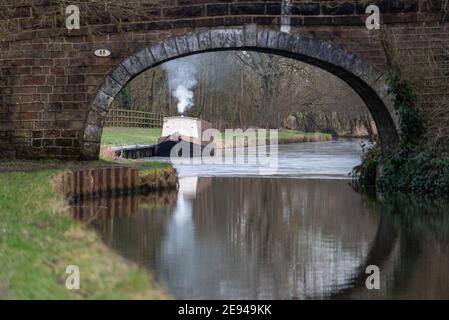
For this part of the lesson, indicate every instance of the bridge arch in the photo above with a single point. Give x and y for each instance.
(361, 76)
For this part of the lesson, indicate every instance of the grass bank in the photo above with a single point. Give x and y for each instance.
(292, 136)
(284, 137)
(129, 136)
(39, 239)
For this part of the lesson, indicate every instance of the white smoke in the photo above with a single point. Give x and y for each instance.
(182, 80)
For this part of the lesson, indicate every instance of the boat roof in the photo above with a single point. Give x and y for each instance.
(179, 117)
(204, 122)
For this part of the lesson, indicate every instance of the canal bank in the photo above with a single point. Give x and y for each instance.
(39, 239)
(139, 142)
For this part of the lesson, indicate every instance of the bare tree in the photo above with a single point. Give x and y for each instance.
(244, 89)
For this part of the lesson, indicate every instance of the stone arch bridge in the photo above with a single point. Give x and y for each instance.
(55, 92)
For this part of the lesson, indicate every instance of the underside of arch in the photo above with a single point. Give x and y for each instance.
(361, 76)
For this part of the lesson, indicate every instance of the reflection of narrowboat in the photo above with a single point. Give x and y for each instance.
(183, 132)
(191, 187)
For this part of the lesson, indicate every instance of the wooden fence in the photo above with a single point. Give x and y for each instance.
(133, 119)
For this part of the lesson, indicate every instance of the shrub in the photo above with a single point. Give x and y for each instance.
(411, 167)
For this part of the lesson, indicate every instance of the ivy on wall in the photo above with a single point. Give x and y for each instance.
(412, 166)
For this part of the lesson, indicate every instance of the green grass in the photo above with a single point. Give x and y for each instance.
(285, 137)
(291, 134)
(129, 136)
(35, 165)
(39, 239)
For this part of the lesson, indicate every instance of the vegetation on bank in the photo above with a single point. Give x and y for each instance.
(39, 239)
(413, 166)
(292, 136)
(420, 163)
(284, 137)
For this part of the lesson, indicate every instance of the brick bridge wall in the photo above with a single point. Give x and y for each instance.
(49, 76)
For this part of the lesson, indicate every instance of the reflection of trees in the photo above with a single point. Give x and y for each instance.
(416, 267)
(421, 270)
(380, 251)
(304, 236)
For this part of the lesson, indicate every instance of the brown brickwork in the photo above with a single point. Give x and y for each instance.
(50, 79)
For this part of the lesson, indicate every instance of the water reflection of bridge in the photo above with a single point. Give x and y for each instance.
(264, 238)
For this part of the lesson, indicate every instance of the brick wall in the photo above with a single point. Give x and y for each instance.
(50, 76)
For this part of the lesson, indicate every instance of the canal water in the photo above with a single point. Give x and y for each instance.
(331, 159)
(302, 233)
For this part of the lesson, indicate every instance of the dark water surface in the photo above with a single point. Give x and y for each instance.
(280, 237)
